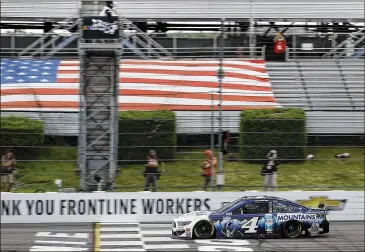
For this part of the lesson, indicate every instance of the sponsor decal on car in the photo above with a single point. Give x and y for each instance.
(188, 232)
(332, 204)
(290, 216)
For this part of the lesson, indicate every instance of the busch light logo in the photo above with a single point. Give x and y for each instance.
(105, 27)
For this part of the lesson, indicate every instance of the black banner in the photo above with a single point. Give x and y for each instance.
(100, 27)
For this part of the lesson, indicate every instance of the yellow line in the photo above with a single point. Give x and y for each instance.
(97, 237)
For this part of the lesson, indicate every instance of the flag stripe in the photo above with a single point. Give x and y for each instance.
(75, 78)
(147, 93)
(74, 106)
(76, 69)
(246, 85)
(177, 72)
(138, 99)
(12, 88)
(184, 63)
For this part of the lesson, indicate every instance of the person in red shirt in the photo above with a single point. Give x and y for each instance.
(209, 167)
(279, 43)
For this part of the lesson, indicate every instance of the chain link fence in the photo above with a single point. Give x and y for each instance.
(38, 166)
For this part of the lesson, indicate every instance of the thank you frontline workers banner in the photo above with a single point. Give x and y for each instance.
(141, 207)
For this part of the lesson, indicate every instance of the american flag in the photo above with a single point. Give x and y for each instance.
(53, 85)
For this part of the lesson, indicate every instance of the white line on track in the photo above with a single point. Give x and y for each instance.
(154, 232)
(121, 250)
(119, 229)
(61, 242)
(119, 236)
(58, 249)
(119, 223)
(160, 239)
(155, 225)
(63, 235)
(169, 246)
(121, 243)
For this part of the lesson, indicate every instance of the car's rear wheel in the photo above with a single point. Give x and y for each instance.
(292, 229)
(203, 230)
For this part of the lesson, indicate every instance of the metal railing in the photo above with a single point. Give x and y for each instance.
(201, 45)
(317, 53)
(176, 53)
(195, 53)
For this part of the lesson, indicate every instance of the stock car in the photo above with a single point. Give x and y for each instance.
(259, 216)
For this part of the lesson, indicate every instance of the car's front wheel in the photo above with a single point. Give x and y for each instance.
(292, 229)
(203, 230)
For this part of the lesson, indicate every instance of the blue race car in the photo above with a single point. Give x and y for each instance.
(253, 217)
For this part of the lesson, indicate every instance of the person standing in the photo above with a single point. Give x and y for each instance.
(270, 170)
(151, 171)
(209, 167)
(109, 10)
(8, 163)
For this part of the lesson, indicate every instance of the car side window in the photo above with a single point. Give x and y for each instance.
(285, 207)
(258, 207)
(238, 211)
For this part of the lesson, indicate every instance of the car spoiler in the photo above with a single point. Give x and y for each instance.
(321, 207)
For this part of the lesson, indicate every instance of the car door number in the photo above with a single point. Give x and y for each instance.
(251, 225)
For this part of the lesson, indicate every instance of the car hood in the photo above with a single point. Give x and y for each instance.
(196, 213)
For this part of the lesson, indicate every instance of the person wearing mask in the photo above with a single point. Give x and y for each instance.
(270, 170)
(8, 163)
(209, 167)
(151, 171)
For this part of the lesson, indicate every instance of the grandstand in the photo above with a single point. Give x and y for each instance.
(170, 61)
(318, 85)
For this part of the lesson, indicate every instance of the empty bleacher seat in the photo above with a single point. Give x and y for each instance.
(319, 84)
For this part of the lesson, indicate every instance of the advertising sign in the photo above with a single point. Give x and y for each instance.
(160, 206)
(100, 27)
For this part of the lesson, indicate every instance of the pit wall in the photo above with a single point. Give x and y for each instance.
(156, 207)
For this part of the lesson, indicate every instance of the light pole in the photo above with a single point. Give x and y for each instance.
(220, 175)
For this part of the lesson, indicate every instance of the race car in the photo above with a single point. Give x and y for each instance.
(266, 217)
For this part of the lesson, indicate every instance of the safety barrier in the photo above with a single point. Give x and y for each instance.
(147, 207)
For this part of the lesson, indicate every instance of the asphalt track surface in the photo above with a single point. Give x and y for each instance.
(343, 236)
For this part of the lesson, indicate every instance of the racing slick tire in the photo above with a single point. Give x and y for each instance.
(292, 229)
(203, 230)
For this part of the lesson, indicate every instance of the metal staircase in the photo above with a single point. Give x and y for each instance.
(136, 40)
(44, 45)
(340, 50)
(142, 41)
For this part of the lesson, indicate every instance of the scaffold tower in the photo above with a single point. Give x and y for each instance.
(99, 80)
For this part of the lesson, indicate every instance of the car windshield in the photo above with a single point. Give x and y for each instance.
(229, 205)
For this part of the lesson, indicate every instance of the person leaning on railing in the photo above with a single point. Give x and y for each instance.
(8, 166)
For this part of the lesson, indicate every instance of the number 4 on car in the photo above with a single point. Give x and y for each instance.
(267, 217)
